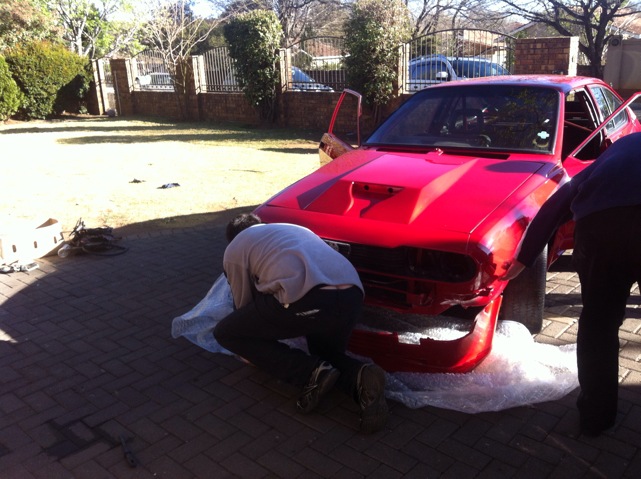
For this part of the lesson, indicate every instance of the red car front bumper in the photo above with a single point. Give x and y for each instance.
(430, 355)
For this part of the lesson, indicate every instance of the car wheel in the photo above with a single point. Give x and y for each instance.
(524, 296)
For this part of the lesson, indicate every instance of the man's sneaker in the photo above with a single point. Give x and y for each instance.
(321, 381)
(371, 398)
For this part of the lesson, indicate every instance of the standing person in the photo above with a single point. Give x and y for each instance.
(287, 283)
(605, 201)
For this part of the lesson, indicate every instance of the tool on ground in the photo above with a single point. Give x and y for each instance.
(128, 453)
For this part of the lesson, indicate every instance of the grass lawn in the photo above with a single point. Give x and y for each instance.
(109, 171)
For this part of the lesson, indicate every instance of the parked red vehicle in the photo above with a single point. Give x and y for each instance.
(431, 208)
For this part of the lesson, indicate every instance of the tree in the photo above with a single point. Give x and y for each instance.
(173, 31)
(83, 21)
(98, 28)
(591, 20)
(52, 78)
(253, 39)
(433, 15)
(298, 18)
(375, 30)
(10, 94)
(119, 34)
(22, 21)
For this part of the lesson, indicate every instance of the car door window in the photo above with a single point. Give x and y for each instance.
(607, 103)
(579, 121)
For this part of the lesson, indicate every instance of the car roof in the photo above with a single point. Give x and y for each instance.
(562, 83)
(434, 56)
(469, 59)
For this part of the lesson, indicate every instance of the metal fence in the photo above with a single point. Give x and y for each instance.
(455, 54)
(150, 72)
(316, 64)
(217, 72)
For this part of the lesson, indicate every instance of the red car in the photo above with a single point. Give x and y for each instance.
(431, 208)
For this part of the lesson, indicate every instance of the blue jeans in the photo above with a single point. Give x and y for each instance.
(607, 256)
(325, 317)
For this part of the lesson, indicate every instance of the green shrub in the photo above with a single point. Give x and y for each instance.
(10, 95)
(52, 78)
(375, 29)
(253, 39)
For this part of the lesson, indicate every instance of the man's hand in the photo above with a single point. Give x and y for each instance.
(513, 271)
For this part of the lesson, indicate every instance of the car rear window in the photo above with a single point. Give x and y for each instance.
(498, 117)
(477, 68)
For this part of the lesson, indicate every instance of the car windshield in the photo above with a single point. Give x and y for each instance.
(497, 117)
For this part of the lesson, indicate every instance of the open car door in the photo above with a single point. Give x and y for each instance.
(564, 238)
(344, 132)
(572, 163)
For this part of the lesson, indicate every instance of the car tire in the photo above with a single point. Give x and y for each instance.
(524, 296)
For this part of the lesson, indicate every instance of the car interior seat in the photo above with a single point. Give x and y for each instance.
(466, 120)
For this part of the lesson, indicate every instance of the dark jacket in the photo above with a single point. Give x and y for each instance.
(612, 180)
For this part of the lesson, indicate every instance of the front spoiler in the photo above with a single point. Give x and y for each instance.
(460, 355)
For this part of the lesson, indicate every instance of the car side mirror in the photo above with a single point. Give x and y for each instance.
(442, 76)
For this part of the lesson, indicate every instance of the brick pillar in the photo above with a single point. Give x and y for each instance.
(554, 55)
(122, 80)
(186, 84)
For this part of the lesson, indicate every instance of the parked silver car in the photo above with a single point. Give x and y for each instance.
(428, 70)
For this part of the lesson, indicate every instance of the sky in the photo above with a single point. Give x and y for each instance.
(203, 8)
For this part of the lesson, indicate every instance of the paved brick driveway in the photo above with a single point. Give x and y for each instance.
(87, 357)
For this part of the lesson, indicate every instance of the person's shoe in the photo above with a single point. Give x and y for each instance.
(321, 381)
(371, 398)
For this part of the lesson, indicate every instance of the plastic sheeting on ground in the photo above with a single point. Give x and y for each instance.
(517, 372)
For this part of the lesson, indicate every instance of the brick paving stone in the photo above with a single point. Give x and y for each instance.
(437, 432)
(501, 453)
(242, 466)
(474, 430)
(460, 470)
(356, 461)
(202, 466)
(237, 440)
(385, 472)
(86, 354)
(462, 453)
(496, 469)
(323, 465)
(394, 458)
(281, 465)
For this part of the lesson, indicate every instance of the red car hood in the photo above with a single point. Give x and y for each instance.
(434, 190)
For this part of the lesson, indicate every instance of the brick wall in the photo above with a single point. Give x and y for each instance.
(553, 55)
(156, 103)
(306, 110)
(226, 107)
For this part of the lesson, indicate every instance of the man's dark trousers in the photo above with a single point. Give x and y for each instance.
(607, 257)
(326, 317)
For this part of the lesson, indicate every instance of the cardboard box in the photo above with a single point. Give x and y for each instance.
(22, 242)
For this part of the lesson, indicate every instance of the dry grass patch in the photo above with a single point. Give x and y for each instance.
(109, 171)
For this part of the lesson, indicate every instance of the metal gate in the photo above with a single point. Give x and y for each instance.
(105, 88)
(315, 64)
(456, 54)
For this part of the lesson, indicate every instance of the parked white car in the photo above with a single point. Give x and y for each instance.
(154, 81)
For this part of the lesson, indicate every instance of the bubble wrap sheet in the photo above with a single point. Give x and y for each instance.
(517, 372)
